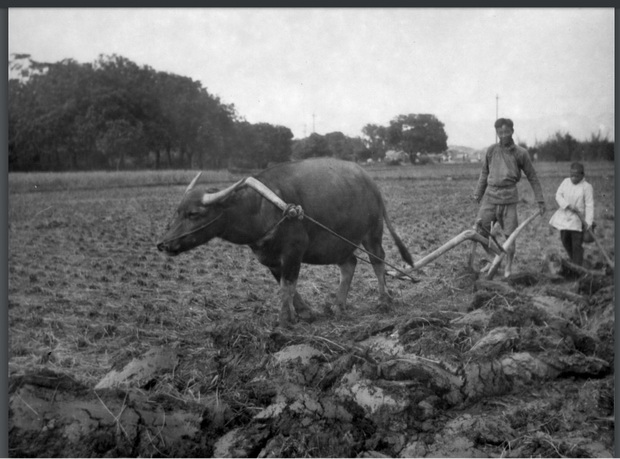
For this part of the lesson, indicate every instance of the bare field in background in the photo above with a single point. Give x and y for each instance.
(20, 182)
(88, 290)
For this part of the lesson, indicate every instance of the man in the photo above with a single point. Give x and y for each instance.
(497, 186)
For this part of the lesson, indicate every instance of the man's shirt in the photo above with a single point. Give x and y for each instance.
(501, 170)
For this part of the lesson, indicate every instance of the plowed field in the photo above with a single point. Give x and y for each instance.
(89, 294)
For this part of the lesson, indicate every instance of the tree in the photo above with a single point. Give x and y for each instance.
(559, 147)
(417, 133)
(333, 144)
(360, 151)
(311, 147)
(599, 148)
(375, 140)
(112, 114)
(260, 144)
(120, 141)
(339, 146)
(564, 147)
(45, 110)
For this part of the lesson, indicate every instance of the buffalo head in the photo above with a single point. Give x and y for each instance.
(198, 219)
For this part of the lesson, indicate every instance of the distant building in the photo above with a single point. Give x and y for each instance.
(462, 155)
(396, 157)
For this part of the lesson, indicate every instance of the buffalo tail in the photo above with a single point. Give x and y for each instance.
(404, 253)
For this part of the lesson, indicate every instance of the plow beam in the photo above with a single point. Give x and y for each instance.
(469, 234)
(466, 235)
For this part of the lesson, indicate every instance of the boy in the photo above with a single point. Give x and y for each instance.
(574, 196)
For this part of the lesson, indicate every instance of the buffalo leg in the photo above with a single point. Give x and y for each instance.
(300, 307)
(378, 266)
(347, 269)
(287, 276)
(287, 298)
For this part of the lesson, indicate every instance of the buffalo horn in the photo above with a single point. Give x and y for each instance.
(192, 183)
(212, 198)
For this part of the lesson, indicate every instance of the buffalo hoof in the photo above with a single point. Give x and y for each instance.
(285, 324)
(327, 310)
(384, 307)
(341, 311)
(287, 317)
(386, 298)
(333, 310)
(302, 310)
(385, 303)
(307, 315)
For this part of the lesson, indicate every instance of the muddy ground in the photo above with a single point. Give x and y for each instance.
(117, 350)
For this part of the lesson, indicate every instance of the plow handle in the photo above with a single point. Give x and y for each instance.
(510, 241)
(598, 244)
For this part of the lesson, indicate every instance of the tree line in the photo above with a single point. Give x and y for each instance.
(113, 114)
(564, 147)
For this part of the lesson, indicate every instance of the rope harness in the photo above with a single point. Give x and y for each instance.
(291, 211)
(200, 228)
(294, 211)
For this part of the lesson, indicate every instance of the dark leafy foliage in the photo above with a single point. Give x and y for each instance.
(564, 147)
(334, 144)
(114, 114)
(413, 133)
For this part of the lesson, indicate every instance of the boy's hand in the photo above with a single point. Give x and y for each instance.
(542, 208)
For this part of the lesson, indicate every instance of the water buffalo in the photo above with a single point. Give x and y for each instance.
(339, 195)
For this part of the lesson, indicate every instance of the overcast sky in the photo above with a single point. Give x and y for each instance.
(333, 69)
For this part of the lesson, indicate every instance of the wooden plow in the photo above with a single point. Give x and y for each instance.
(472, 235)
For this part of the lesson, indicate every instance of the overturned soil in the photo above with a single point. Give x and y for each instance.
(119, 351)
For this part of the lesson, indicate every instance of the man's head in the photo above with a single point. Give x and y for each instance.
(504, 130)
(577, 173)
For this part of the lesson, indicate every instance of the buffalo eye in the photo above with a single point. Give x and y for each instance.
(193, 214)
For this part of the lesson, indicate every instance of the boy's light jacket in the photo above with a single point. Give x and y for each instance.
(580, 196)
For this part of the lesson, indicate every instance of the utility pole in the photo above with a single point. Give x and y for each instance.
(496, 106)
(313, 117)
(496, 112)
